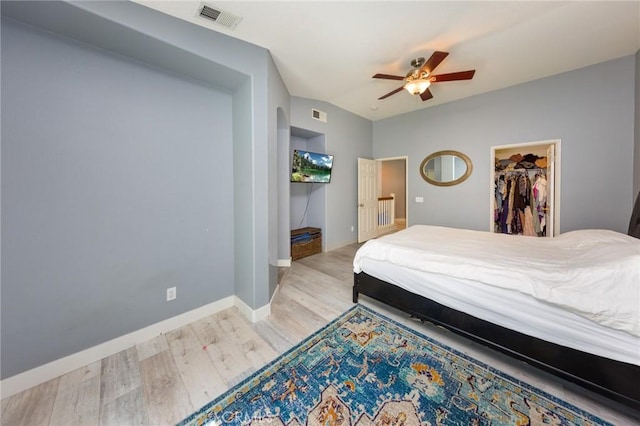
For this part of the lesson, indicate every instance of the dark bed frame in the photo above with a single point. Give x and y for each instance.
(616, 380)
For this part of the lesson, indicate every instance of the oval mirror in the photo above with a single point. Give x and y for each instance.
(446, 168)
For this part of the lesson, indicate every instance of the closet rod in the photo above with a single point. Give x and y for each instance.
(502, 172)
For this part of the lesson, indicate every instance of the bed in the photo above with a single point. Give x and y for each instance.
(567, 304)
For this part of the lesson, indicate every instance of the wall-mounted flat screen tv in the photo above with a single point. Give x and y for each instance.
(311, 167)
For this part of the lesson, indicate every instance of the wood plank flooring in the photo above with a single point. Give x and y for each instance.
(161, 381)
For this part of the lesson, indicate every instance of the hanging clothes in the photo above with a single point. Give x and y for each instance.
(519, 204)
(528, 228)
(540, 198)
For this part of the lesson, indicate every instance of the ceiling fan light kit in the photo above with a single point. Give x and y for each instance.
(417, 86)
(419, 79)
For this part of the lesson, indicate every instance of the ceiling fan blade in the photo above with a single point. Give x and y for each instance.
(393, 92)
(434, 61)
(426, 95)
(388, 77)
(461, 75)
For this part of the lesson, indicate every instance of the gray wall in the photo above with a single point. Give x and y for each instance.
(279, 103)
(308, 205)
(242, 183)
(114, 174)
(252, 95)
(591, 110)
(284, 144)
(348, 137)
(226, 61)
(300, 193)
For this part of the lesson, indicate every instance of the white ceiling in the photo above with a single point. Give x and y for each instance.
(329, 50)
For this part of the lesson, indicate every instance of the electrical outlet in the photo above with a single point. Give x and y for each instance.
(352, 228)
(171, 293)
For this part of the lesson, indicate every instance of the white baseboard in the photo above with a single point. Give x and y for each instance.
(23, 381)
(251, 314)
(284, 262)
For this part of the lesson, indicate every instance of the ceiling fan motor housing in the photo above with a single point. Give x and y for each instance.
(417, 62)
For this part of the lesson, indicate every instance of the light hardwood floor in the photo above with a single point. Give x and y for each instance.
(161, 381)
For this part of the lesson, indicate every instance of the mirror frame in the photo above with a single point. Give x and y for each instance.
(461, 179)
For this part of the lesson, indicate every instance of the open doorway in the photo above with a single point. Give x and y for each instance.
(393, 183)
(382, 196)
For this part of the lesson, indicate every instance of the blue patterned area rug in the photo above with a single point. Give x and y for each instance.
(364, 369)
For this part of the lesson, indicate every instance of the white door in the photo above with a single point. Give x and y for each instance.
(367, 199)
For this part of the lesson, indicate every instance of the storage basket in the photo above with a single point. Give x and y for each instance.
(305, 242)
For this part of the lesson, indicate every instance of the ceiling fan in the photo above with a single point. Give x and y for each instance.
(418, 80)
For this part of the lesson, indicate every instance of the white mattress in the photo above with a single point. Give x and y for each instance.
(510, 308)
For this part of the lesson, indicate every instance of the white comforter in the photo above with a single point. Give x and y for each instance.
(594, 273)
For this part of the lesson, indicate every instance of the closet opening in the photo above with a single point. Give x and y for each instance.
(525, 189)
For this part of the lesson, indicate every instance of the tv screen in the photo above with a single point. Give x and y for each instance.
(311, 167)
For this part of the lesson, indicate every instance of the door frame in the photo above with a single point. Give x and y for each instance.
(406, 182)
(379, 161)
(557, 175)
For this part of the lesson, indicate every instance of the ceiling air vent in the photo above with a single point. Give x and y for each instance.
(220, 17)
(319, 115)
